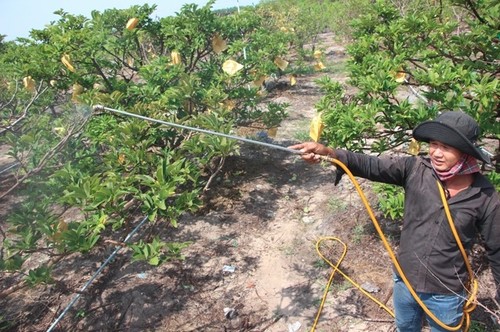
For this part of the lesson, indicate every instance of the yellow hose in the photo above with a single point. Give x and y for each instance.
(469, 305)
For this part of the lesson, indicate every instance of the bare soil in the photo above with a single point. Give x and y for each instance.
(252, 264)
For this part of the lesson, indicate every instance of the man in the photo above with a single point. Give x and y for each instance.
(428, 253)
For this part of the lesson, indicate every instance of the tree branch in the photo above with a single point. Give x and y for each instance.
(217, 170)
(43, 161)
(471, 6)
(24, 113)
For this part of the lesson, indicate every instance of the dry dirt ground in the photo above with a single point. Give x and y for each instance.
(252, 264)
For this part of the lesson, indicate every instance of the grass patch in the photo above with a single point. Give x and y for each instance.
(336, 204)
(358, 232)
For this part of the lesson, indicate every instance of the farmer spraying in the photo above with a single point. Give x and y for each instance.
(448, 202)
(429, 255)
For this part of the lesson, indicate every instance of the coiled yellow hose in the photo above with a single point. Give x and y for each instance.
(469, 305)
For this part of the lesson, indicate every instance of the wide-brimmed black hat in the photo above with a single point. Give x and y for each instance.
(454, 128)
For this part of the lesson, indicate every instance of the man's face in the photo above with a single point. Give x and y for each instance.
(443, 156)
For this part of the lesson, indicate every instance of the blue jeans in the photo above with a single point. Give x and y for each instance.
(409, 316)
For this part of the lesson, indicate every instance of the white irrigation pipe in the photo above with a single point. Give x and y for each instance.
(9, 167)
(106, 262)
(416, 93)
(244, 48)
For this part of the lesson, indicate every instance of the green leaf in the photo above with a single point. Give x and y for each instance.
(154, 261)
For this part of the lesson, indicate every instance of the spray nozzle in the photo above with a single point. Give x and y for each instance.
(96, 108)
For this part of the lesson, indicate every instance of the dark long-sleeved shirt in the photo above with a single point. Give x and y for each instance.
(428, 252)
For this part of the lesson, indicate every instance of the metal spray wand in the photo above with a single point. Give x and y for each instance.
(171, 124)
